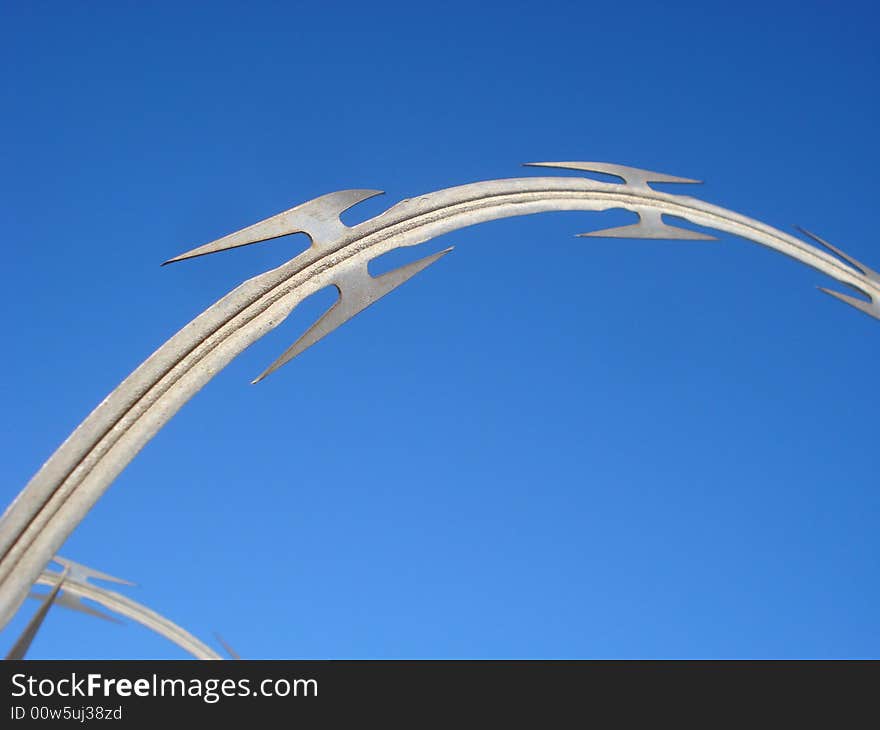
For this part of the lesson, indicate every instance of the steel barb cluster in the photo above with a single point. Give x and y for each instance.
(41, 517)
(75, 583)
(69, 586)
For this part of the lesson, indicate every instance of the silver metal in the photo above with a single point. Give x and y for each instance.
(76, 586)
(58, 497)
(233, 654)
(83, 573)
(357, 291)
(868, 307)
(69, 601)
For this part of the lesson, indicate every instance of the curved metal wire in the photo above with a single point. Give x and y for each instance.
(58, 497)
(76, 586)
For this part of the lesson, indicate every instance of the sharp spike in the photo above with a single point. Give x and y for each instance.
(357, 291)
(650, 225)
(80, 573)
(870, 308)
(632, 176)
(226, 647)
(384, 283)
(318, 218)
(23, 643)
(329, 321)
(870, 273)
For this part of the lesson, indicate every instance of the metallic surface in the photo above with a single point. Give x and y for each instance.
(42, 516)
(76, 586)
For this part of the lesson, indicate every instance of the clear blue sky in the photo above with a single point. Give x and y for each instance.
(651, 449)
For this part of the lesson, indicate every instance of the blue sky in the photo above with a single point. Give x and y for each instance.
(542, 447)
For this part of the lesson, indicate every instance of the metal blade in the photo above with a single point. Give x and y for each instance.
(870, 273)
(81, 573)
(357, 291)
(229, 650)
(633, 176)
(317, 218)
(650, 225)
(869, 308)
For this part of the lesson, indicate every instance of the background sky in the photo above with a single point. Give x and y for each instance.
(543, 446)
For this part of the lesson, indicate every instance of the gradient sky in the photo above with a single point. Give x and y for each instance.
(542, 447)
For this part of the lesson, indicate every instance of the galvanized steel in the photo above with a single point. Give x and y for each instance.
(37, 523)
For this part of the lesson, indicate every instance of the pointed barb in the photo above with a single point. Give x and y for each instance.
(385, 283)
(632, 176)
(858, 265)
(870, 308)
(226, 647)
(318, 218)
(357, 291)
(650, 225)
(329, 321)
(79, 573)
